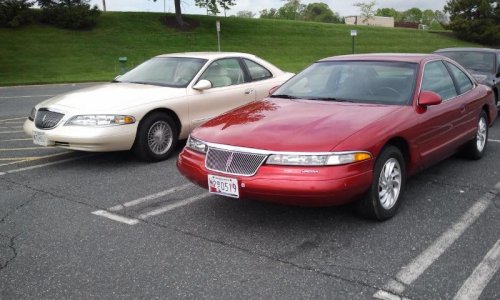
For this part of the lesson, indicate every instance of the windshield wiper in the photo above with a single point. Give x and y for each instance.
(138, 82)
(284, 96)
(328, 99)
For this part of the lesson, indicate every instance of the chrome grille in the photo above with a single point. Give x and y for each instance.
(232, 162)
(46, 119)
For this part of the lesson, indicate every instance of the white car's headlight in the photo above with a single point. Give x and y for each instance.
(196, 145)
(340, 158)
(100, 120)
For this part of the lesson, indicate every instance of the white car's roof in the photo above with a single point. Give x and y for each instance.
(207, 55)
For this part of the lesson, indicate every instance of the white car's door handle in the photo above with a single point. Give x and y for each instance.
(249, 91)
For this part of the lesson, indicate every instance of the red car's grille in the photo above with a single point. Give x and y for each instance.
(46, 119)
(232, 162)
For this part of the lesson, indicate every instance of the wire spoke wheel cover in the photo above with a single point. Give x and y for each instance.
(389, 185)
(160, 137)
(482, 132)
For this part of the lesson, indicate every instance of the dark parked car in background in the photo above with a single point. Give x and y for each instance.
(482, 63)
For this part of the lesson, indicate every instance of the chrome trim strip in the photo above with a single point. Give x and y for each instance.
(269, 152)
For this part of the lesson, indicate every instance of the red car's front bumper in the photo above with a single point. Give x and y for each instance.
(295, 185)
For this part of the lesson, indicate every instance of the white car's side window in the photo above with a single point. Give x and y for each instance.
(224, 72)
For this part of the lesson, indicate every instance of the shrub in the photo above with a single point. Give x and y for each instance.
(14, 13)
(70, 14)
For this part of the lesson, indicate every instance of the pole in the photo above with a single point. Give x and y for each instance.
(217, 24)
(353, 44)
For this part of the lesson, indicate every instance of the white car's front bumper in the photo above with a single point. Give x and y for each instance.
(94, 139)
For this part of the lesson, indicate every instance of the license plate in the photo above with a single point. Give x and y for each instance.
(223, 186)
(40, 138)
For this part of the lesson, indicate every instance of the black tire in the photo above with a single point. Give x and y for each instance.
(371, 205)
(156, 138)
(472, 149)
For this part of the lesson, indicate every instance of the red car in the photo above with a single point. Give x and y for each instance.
(347, 128)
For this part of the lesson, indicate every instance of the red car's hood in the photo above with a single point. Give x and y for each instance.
(291, 125)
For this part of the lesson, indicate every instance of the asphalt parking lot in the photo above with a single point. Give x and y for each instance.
(106, 225)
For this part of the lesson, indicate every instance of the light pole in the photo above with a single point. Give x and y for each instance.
(217, 25)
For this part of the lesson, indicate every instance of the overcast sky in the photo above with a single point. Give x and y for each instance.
(343, 7)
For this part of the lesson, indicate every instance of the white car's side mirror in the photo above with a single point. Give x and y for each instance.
(202, 85)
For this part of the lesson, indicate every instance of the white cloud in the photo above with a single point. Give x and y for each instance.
(343, 7)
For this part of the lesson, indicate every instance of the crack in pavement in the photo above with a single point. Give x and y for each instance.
(51, 194)
(449, 184)
(12, 246)
(269, 257)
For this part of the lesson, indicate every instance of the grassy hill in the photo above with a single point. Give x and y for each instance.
(44, 54)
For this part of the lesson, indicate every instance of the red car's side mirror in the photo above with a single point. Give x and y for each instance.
(428, 98)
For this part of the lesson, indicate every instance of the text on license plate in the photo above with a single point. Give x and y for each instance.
(223, 186)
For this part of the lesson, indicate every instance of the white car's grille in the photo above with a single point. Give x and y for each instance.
(46, 119)
(233, 162)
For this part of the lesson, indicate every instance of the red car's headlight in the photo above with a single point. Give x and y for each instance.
(331, 159)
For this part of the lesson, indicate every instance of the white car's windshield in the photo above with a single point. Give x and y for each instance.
(381, 82)
(164, 71)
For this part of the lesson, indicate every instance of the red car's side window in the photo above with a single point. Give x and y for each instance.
(437, 79)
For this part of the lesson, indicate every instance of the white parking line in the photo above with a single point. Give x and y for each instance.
(26, 148)
(27, 96)
(412, 271)
(475, 284)
(18, 131)
(114, 217)
(13, 119)
(491, 140)
(173, 206)
(14, 140)
(45, 165)
(150, 197)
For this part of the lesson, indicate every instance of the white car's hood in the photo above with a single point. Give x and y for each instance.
(112, 97)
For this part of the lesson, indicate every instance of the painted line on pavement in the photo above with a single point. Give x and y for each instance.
(149, 197)
(44, 165)
(115, 217)
(14, 140)
(26, 148)
(11, 131)
(27, 96)
(173, 206)
(13, 119)
(413, 270)
(481, 276)
(491, 140)
(11, 122)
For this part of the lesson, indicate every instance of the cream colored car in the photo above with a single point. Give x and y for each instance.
(154, 105)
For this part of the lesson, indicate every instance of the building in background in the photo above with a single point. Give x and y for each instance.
(373, 21)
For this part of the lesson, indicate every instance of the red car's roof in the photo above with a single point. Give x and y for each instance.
(403, 57)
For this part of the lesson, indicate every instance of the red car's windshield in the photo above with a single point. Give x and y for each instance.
(378, 82)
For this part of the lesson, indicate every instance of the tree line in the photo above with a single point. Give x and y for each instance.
(472, 20)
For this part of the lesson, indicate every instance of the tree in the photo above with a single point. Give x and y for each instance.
(212, 6)
(14, 13)
(389, 12)
(292, 10)
(475, 20)
(412, 15)
(367, 9)
(320, 12)
(268, 14)
(245, 14)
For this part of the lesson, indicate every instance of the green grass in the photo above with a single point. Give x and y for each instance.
(44, 54)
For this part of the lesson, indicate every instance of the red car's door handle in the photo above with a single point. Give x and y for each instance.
(462, 109)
